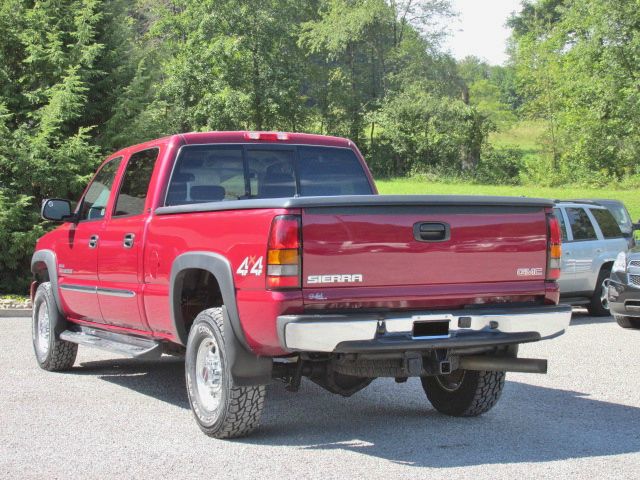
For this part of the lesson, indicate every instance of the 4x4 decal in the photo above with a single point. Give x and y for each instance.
(250, 266)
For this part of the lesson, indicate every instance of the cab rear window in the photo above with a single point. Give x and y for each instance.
(213, 173)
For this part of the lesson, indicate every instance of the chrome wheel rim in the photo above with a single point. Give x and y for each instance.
(604, 300)
(451, 382)
(209, 375)
(42, 331)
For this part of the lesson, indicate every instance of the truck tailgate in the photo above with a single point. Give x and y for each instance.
(395, 245)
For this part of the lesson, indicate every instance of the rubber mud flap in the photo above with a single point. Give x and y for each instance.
(247, 369)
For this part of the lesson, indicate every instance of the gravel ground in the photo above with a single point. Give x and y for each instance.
(119, 418)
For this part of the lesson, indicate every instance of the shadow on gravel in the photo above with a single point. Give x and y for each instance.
(529, 424)
(582, 317)
(162, 379)
(396, 422)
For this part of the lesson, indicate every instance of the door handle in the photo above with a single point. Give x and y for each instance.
(93, 241)
(598, 250)
(128, 240)
(431, 232)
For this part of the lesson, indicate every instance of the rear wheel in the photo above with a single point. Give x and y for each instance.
(52, 353)
(464, 393)
(599, 305)
(628, 322)
(221, 408)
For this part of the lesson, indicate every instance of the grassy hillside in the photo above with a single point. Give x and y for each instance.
(419, 186)
(524, 135)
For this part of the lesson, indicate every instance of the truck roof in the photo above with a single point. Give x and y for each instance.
(242, 136)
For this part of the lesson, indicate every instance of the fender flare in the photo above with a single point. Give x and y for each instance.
(48, 258)
(246, 367)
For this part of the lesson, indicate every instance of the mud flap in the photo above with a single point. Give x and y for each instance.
(247, 369)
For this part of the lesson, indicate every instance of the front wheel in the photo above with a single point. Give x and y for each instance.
(464, 393)
(599, 305)
(221, 408)
(52, 353)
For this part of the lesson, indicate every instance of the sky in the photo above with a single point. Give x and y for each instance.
(480, 29)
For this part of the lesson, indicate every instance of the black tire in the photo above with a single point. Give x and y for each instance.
(597, 306)
(627, 322)
(52, 354)
(473, 393)
(239, 409)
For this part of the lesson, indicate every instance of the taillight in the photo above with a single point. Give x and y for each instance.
(554, 252)
(266, 136)
(283, 253)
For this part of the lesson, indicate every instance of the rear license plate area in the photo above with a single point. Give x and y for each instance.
(430, 328)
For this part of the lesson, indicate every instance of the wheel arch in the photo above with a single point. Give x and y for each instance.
(219, 267)
(44, 267)
(599, 264)
(246, 367)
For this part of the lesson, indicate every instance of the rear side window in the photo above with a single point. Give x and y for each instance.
(563, 227)
(135, 183)
(581, 226)
(207, 173)
(211, 173)
(608, 224)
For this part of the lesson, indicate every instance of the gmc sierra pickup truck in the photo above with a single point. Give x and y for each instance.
(269, 255)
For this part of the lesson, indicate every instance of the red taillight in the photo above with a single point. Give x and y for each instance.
(283, 253)
(554, 249)
(266, 136)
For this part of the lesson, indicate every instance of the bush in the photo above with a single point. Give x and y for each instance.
(499, 166)
(19, 229)
(421, 132)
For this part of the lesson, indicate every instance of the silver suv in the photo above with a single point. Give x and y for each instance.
(591, 240)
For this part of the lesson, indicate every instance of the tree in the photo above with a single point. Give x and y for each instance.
(54, 89)
(579, 65)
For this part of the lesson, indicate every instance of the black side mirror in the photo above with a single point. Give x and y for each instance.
(56, 210)
(636, 226)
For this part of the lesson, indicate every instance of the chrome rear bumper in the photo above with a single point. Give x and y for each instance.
(394, 330)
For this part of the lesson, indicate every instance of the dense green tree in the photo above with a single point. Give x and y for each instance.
(61, 65)
(579, 69)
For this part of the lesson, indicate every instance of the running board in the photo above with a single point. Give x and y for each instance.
(136, 347)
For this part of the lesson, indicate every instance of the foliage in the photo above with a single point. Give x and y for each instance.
(422, 131)
(53, 92)
(500, 166)
(578, 64)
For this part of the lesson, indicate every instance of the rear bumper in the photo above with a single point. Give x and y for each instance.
(393, 331)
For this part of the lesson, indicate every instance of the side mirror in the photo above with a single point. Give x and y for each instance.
(636, 226)
(56, 210)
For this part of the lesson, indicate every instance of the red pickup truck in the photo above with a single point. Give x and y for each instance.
(269, 255)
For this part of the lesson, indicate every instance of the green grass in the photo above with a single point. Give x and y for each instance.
(524, 135)
(416, 186)
(20, 298)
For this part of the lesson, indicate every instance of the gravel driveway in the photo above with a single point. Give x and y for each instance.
(115, 417)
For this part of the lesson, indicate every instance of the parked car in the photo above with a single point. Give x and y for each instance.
(592, 240)
(624, 289)
(263, 255)
(621, 215)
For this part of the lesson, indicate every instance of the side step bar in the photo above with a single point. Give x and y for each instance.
(137, 347)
